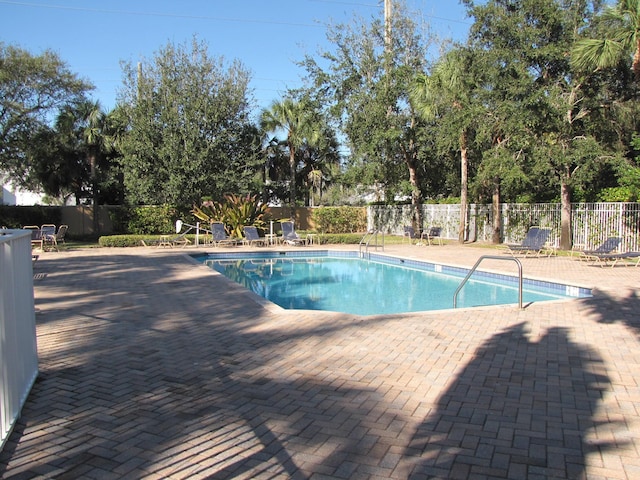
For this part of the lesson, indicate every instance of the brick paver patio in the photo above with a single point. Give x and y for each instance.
(152, 367)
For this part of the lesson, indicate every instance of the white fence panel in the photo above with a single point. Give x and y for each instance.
(18, 348)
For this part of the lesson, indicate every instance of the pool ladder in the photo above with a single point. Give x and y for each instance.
(366, 242)
(492, 257)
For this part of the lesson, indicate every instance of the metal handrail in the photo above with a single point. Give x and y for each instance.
(371, 234)
(473, 269)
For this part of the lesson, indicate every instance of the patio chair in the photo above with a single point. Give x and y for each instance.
(410, 234)
(533, 242)
(48, 232)
(36, 236)
(290, 236)
(612, 259)
(251, 236)
(434, 233)
(57, 237)
(605, 248)
(220, 237)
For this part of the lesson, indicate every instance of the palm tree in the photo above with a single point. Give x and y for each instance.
(621, 38)
(448, 88)
(296, 118)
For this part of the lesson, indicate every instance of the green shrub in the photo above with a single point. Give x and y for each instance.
(340, 219)
(151, 220)
(131, 240)
(618, 194)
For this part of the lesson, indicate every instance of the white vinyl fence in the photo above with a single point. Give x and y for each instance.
(18, 351)
(592, 223)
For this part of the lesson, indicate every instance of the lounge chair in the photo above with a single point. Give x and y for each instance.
(169, 241)
(434, 233)
(533, 242)
(612, 259)
(220, 237)
(616, 257)
(251, 236)
(48, 232)
(55, 238)
(290, 236)
(607, 247)
(36, 236)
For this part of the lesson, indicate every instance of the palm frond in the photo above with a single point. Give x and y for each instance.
(594, 54)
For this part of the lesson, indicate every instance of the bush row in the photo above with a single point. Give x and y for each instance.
(137, 240)
(18, 216)
(340, 219)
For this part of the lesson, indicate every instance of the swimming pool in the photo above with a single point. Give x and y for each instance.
(343, 282)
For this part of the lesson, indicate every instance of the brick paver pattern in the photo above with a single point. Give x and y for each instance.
(152, 367)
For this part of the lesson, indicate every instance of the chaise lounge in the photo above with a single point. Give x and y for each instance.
(533, 242)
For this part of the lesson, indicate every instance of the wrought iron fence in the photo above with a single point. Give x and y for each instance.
(592, 223)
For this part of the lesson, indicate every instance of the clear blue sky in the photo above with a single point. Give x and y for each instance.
(268, 36)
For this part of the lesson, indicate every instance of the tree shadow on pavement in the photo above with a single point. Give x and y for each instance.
(521, 409)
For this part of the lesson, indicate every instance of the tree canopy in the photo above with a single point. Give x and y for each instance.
(189, 132)
(33, 88)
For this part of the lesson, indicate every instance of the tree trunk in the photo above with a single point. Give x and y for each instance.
(416, 197)
(292, 185)
(565, 215)
(464, 165)
(94, 191)
(496, 231)
(636, 60)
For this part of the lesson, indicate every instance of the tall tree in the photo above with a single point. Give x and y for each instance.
(32, 89)
(447, 96)
(297, 120)
(364, 81)
(532, 87)
(189, 134)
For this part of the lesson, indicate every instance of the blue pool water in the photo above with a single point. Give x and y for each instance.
(343, 282)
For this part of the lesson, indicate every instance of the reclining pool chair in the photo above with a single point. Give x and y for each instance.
(533, 242)
(607, 247)
(612, 259)
(36, 236)
(290, 236)
(53, 239)
(220, 237)
(251, 236)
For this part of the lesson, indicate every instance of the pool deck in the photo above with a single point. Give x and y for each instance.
(153, 367)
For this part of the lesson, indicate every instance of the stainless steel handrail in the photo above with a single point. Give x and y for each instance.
(473, 269)
(371, 234)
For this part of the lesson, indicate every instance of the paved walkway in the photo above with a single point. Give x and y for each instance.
(151, 367)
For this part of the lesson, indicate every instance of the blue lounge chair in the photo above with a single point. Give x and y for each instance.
(220, 237)
(290, 236)
(607, 247)
(532, 244)
(612, 259)
(251, 236)
(36, 236)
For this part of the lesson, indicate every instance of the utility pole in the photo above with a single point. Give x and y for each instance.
(139, 80)
(387, 23)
